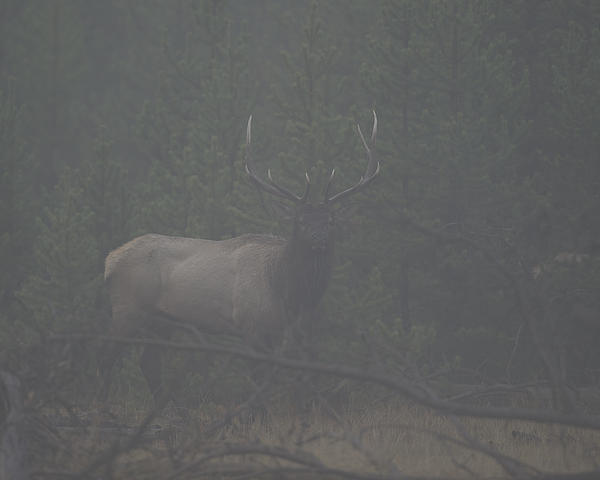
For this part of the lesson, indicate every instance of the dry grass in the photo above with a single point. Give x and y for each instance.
(385, 438)
(409, 439)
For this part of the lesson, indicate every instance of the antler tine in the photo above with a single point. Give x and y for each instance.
(372, 166)
(289, 193)
(270, 186)
(306, 188)
(249, 131)
(374, 132)
(329, 182)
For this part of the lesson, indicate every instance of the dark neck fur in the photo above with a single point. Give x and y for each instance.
(304, 274)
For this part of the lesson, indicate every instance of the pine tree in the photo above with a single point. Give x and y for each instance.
(434, 67)
(194, 128)
(60, 292)
(17, 206)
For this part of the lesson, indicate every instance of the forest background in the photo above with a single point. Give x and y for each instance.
(474, 255)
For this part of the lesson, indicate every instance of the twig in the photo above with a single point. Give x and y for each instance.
(409, 390)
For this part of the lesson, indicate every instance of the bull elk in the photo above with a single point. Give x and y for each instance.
(248, 286)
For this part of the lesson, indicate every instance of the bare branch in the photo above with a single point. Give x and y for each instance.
(409, 390)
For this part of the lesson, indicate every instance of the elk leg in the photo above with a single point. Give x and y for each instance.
(107, 358)
(151, 365)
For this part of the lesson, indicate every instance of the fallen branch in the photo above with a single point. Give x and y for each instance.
(391, 382)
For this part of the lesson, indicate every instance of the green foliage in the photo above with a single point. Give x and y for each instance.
(59, 294)
(13, 228)
(16, 207)
(123, 118)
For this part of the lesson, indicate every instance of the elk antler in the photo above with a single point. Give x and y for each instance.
(370, 173)
(270, 186)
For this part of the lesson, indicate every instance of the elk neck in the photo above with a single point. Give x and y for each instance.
(303, 273)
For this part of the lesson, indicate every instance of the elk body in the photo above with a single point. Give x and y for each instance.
(251, 286)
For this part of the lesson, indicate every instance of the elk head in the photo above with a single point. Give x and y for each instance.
(306, 268)
(313, 223)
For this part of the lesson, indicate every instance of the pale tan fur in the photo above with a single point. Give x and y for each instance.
(112, 259)
(216, 286)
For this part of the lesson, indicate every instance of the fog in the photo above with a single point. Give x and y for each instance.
(349, 239)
